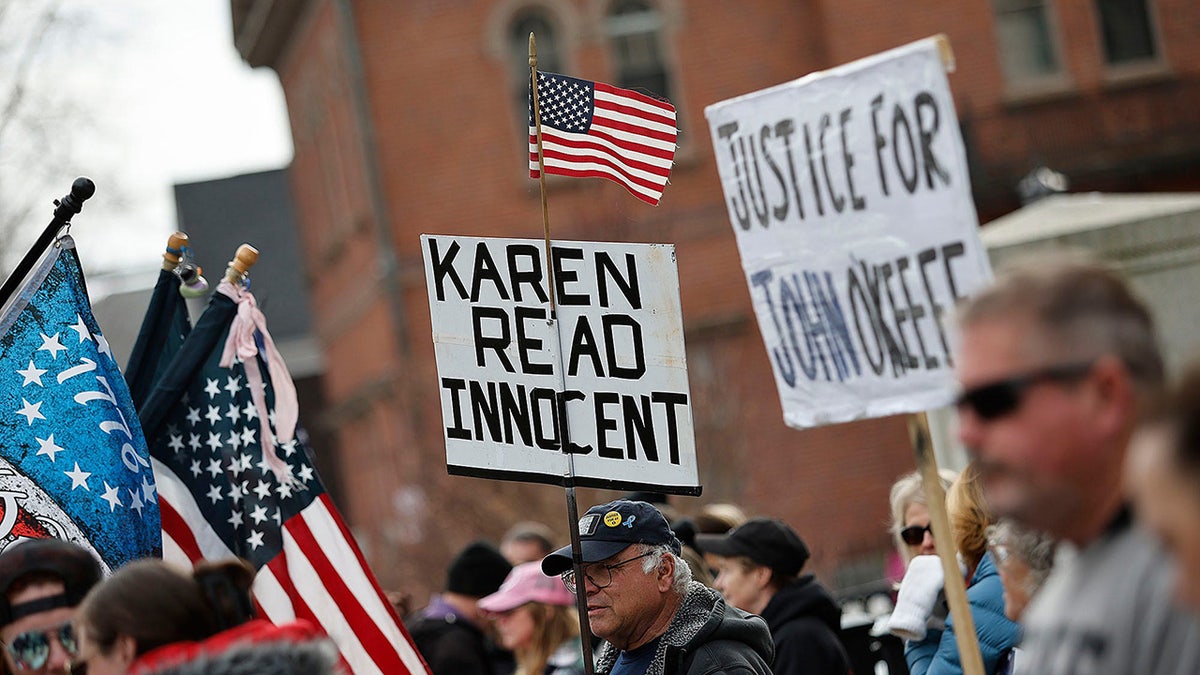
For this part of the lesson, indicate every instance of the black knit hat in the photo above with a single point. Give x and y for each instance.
(74, 565)
(477, 570)
(770, 543)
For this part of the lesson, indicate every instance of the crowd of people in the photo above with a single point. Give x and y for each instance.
(57, 615)
(1084, 464)
(1084, 467)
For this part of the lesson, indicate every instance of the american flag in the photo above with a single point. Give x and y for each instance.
(220, 496)
(74, 463)
(592, 129)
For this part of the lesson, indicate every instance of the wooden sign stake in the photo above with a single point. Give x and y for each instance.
(955, 587)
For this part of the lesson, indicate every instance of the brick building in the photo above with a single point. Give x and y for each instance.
(408, 117)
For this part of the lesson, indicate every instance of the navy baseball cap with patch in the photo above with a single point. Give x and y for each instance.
(607, 529)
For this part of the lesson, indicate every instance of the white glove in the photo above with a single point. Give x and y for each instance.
(918, 593)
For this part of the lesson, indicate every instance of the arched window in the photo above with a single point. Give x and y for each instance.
(549, 55)
(634, 31)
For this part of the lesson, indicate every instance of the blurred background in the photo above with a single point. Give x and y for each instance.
(136, 94)
(332, 133)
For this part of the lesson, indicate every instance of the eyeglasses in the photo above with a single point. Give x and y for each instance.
(599, 574)
(997, 399)
(30, 650)
(913, 535)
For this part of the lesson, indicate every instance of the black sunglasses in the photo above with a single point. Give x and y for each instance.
(913, 535)
(30, 650)
(997, 399)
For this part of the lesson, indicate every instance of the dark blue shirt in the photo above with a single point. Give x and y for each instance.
(635, 662)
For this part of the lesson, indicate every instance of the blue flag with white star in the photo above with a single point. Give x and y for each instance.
(73, 460)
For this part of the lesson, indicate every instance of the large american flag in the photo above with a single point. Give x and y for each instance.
(220, 496)
(73, 461)
(592, 129)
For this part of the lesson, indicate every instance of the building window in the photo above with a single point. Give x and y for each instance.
(1028, 50)
(549, 56)
(634, 30)
(1127, 30)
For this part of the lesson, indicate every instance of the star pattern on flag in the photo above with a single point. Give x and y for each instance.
(48, 447)
(102, 346)
(31, 411)
(247, 492)
(69, 424)
(110, 495)
(595, 130)
(81, 329)
(32, 375)
(69, 403)
(52, 345)
(565, 103)
(78, 478)
(238, 490)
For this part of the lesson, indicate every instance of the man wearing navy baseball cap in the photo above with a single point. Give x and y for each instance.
(642, 601)
(760, 563)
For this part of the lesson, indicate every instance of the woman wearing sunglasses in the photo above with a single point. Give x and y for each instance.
(914, 538)
(910, 515)
(997, 634)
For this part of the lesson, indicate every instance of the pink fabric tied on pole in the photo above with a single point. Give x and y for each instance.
(248, 320)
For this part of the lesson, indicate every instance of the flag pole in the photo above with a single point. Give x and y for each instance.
(955, 587)
(537, 125)
(143, 364)
(585, 631)
(240, 266)
(918, 429)
(173, 254)
(203, 340)
(81, 190)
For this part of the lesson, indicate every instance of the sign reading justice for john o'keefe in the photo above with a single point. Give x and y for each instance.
(612, 366)
(849, 196)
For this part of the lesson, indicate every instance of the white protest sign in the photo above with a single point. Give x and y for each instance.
(849, 195)
(613, 363)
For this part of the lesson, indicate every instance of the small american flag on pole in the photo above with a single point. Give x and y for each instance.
(592, 129)
(229, 484)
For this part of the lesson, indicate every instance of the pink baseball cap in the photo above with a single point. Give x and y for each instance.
(526, 583)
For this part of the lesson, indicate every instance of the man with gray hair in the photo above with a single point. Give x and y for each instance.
(653, 617)
(1055, 362)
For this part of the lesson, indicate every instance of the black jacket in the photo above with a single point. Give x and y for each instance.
(706, 637)
(451, 646)
(805, 624)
